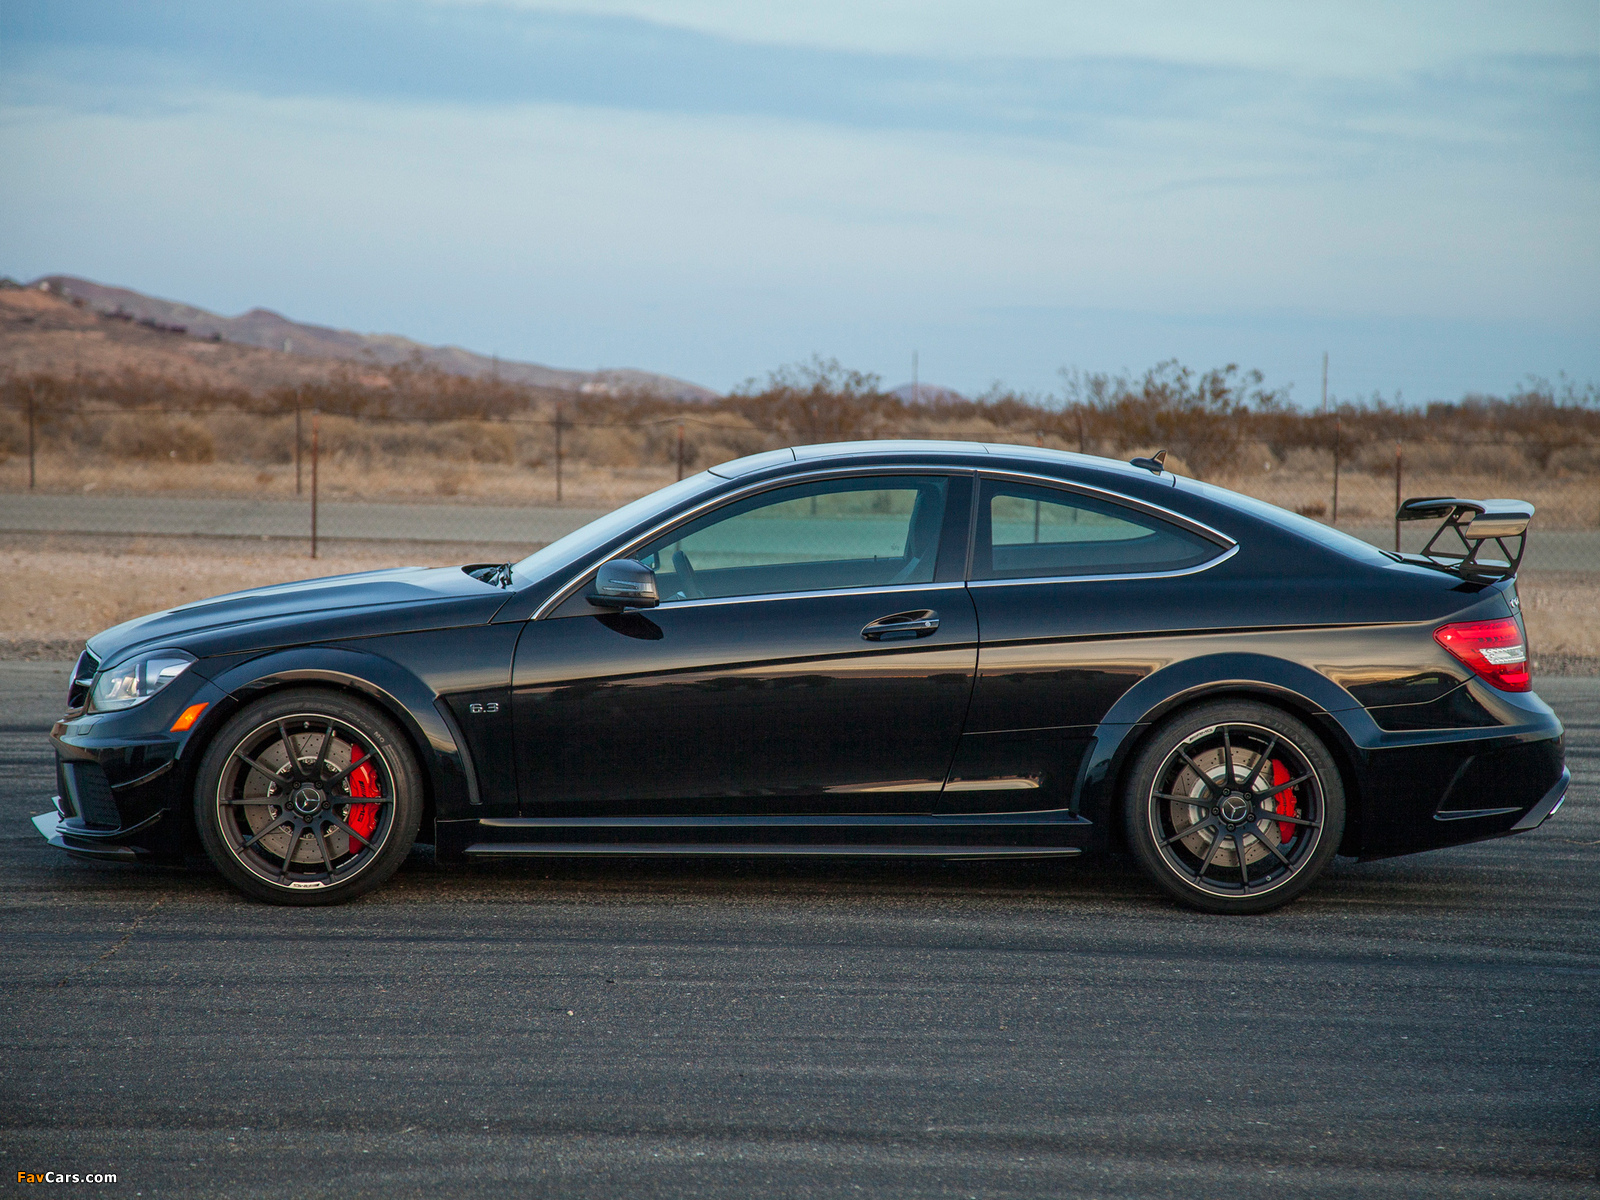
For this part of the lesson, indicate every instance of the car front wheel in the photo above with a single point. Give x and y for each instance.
(1234, 807)
(308, 797)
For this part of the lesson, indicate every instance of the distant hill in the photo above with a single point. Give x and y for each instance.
(266, 330)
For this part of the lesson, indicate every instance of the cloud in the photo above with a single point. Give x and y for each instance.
(496, 55)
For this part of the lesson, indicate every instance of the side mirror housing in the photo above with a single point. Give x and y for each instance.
(624, 583)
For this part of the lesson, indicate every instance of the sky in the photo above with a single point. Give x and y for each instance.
(712, 188)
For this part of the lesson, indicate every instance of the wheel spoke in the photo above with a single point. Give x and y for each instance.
(283, 819)
(1205, 863)
(1197, 827)
(254, 765)
(1272, 816)
(322, 751)
(335, 821)
(339, 778)
(1263, 839)
(1205, 779)
(294, 845)
(1255, 772)
(1197, 801)
(1227, 759)
(1282, 787)
(1244, 867)
(320, 833)
(288, 748)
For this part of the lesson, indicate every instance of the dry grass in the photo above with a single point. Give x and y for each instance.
(1365, 499)
(65, 589)
(58, 590)
(411, 479)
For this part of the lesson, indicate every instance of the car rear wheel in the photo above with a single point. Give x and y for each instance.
(308, 797)
(1234, 807)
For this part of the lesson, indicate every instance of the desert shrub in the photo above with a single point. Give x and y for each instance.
(151, 436)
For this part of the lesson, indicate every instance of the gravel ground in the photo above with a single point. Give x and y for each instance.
(1416, 1026)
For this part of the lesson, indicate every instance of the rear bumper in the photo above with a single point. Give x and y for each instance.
(1548, 806)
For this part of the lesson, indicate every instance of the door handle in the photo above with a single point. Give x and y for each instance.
(897, 626)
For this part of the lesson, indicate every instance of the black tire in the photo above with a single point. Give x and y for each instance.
(1207, 825)
(286, 791)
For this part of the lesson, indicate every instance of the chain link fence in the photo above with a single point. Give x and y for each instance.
(519, 482)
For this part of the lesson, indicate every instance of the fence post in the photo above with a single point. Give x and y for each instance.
(316, 429)
(1397, 472)
(30, 436)
(1338, 433)
(298, 440)
(680, 449)
(558, 454)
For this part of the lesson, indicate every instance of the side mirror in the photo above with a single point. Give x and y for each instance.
(624, 583)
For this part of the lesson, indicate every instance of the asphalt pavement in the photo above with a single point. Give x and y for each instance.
(1418, 1026)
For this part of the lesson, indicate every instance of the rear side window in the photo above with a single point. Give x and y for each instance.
(1027, 531)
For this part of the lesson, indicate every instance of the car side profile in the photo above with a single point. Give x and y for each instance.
(882, 649)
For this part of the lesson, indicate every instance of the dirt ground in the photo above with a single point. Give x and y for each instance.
(56, 591)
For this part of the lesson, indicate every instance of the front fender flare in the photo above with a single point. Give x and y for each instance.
(396, 690)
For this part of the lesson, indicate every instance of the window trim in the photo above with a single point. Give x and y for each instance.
(1227, 547)
(564, 593)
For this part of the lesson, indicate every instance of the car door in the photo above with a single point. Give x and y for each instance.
(1058, 577)
(813, 652)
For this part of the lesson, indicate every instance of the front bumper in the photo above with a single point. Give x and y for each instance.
(102, 845)
(123, 778)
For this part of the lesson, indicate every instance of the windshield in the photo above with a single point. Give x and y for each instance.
(593, 536)
(1333, 539)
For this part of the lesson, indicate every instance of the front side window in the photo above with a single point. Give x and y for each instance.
(841, 533)
(1026, 531)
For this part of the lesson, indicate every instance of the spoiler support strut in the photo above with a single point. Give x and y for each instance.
(1474, 522)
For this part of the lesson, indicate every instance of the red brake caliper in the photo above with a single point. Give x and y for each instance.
(363, 818)
(1286, 801)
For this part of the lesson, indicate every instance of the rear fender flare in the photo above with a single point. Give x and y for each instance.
(1312, 696)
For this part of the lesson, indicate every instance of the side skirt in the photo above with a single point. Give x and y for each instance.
(762, 849)
(1048, 834)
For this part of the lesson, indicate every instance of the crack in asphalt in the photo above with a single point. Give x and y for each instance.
(126, 938)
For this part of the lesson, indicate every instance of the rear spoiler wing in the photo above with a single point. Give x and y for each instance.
(1474, 522)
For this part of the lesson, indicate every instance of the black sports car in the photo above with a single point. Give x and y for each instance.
(880, 648)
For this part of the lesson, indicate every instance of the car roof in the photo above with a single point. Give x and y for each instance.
(976, 454)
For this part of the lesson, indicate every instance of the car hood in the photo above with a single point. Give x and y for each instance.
(364, 604)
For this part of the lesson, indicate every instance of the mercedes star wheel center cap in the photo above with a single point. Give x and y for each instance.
(306, 800)
(1235, 809)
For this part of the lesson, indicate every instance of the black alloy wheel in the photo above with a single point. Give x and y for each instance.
(1234, 807)
(308, 797)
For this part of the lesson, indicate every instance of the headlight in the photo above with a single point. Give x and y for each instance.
(136, 680)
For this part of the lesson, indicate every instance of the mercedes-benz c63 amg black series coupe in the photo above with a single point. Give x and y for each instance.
(882, 648)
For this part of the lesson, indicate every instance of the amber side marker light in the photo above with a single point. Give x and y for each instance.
(1493, 649)
(188, 717)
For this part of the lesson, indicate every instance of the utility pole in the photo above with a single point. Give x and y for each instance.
(298, 441)
(30, 435)
(558, 454)
(1397, 472)
(680, 450)
(1324, 381)
(916, 388)
(316, 429)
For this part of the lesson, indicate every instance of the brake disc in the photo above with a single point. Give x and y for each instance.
(275, 758)
(1188, 783)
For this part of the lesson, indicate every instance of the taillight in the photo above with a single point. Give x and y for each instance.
(1493, 649)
